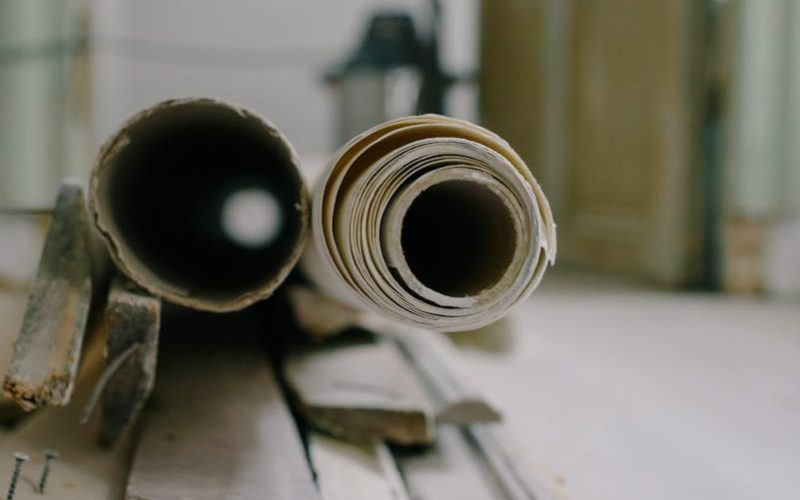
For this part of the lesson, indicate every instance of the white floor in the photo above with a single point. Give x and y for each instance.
(630, 394)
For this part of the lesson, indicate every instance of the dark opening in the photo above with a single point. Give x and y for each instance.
(168, 188)
(458, 238)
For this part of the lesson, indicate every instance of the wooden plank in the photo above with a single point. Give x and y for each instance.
(218, 426)
(518, 479)
(83, 471)
(471, 464)
(481, 451)
(359, 387)
(321, 317)
(48, 349)
(131, 321)
(354, 471)
(453, 469)
(456, 401)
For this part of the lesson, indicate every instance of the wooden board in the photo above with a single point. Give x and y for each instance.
(455, 399)
(517, 478)
(218, 426)
(48, 350)
(471, 464)
(359, 387)
(131, 322)
(354, 471)
(318, 316)
(453, 469)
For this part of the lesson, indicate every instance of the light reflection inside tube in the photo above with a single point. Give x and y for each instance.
(252, 218)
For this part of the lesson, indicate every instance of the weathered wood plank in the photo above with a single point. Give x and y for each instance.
(131, 321)
(359, 387)
(354, 471)
(320, 317)
(453, 469)
(48, 350)
(218, 426)
(456, 401)
(475, 453)
(517, 478)
(472, 463)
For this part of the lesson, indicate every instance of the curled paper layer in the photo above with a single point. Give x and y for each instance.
(431, 221)
(201, 203)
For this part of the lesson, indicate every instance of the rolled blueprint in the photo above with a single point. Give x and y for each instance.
(431, 221)
(201, 203)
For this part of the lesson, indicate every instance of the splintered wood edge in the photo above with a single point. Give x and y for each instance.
(319, 316)
(54, 390)
(69, 226)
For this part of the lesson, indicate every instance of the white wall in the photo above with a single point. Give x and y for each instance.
(43, 125)
(765, 134)
(297, 40)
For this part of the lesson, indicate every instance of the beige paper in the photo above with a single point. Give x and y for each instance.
(430, 221)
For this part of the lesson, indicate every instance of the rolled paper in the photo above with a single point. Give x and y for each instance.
(431, 221)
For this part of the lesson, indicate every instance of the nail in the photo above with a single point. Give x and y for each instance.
(49, 456)
(19, 458)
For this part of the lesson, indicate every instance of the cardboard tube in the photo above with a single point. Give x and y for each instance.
(431, 221)
(201, 203)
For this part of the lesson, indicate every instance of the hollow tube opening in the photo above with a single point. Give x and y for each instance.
(458, 238)
(206, 199)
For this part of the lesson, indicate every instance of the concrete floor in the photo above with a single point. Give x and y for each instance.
(630, 394)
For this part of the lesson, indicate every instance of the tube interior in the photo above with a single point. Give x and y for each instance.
(458, 238)
(169, 194)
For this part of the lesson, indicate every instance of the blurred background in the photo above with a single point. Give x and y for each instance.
(666, 136)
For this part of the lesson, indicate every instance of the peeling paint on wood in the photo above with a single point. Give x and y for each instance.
(48, 350)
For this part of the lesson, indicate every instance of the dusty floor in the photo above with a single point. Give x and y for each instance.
(631, 394)
(621, 393)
